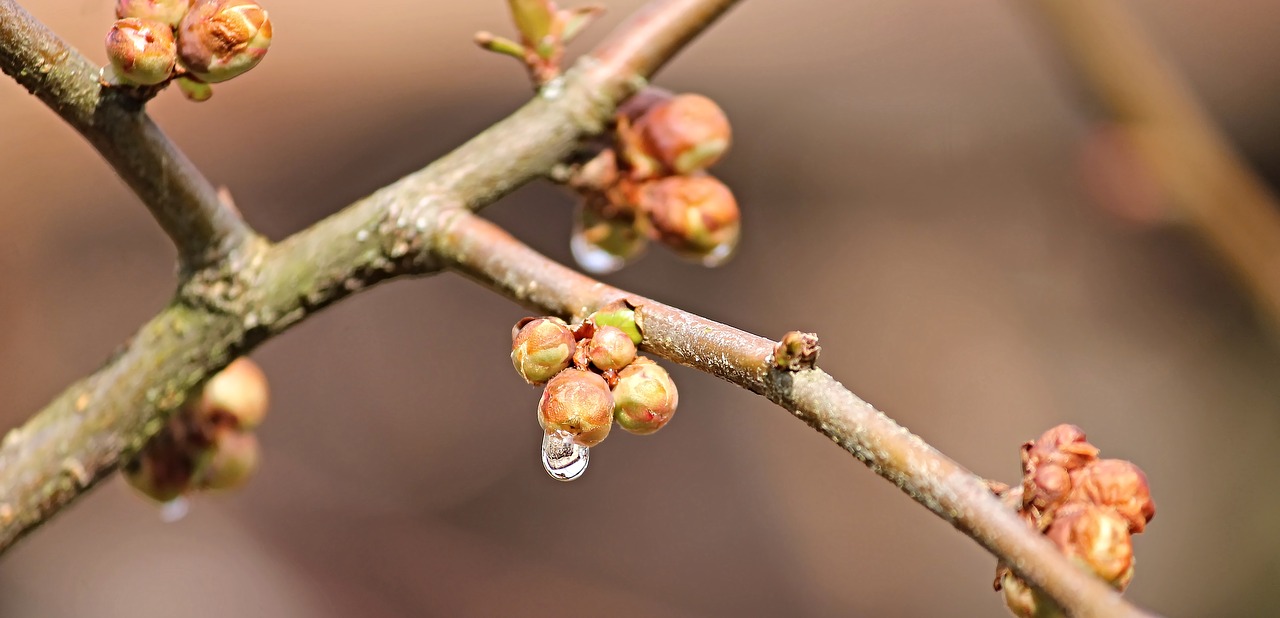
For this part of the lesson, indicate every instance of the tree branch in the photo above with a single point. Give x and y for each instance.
(1208, 182)
(486, 253)
(414, 226)
(181, 199)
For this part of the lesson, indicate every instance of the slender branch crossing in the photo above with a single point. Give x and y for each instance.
(241, 291)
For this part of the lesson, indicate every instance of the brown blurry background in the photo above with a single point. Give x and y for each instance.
(921, 163)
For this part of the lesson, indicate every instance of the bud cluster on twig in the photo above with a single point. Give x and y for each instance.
(651, 184)
(593, 376)
(1088, 507)
(208, 444)
(192, 42)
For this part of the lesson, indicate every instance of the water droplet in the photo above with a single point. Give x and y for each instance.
(175, 509)
(564, 459)
(593, 259)
(719, 255)
(601, 246)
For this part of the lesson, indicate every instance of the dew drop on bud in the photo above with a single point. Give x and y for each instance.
(174, 510)
(564, 459)
(718, 254)
(592, 258)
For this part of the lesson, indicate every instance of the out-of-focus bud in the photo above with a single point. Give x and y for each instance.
(601, 245)
(1098, 538)
(168, 463)
(645, 398)
(1025, 601)
(696, 216)
(1064, 445)
(141, 51)
(165, 11)
(233, 459)
(1119, 485)
(577, 402)
(618, 315)
(220, 39)
(194, 90)
(535, 19)
(541, 348)
(682, 135)
(610, 348)
(237, 395)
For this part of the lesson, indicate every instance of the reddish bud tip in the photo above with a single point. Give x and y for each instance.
(141, 51)
(696, 216)
(542, 348)
(577, 402)
(645, 397)
(610, 349)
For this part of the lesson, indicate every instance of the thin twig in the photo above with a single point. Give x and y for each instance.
(227, 309)
(412, 226)
(1207, 181)
(492, 257)
(181, 199)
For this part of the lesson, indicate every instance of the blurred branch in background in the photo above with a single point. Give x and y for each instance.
(1195, 169)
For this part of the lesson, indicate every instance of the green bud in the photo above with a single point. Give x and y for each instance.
(221, 39)
(577, 402)
(233, 459)
(194, 90)
(238, 394)
(141, 51)
(541, 348)
(610, 348)
(645, 397)
(620, 316)
(535, 20)
(164, 11)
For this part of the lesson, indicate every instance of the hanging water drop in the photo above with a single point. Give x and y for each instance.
(175, 509)
(564, 459)
(601, 246)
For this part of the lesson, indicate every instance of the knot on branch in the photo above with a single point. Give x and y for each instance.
(796, 351)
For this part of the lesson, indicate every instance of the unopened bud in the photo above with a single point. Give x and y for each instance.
(610, 349)
(645, 398)
(682, 135)
(168, 463)
(1097, 538)
(141, 51)
(577, 402)
(696, 216)
(1025, 601)
(1119, 485)
(620, 316)
(233, 459)
(237, 395)
(220, 39)
(165, 11)
(541, 348)
(194, 90)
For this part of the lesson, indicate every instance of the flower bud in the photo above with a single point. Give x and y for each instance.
(645, 397)
(167, 464)
(682, 135)
(618, 315)
(1098, 538)
(610, 348)
(237, 395)
(577, 402)
(541, 348)
(194, 90)
(1025, 601)
(696, 216)
(232, 461)
(1119, 485)
(220, 39)
(164, 11)
(141, 51)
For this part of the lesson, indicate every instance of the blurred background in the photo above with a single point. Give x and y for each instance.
(929, 169)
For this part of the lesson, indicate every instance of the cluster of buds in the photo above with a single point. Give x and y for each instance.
(209, 444)
(1088, 507)
(652, 184)
(195, 42)
(593, 376)
(545, 29)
